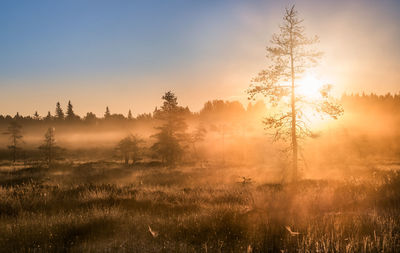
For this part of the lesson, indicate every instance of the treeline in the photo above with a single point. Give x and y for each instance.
(171, 138)
(388, 102)
(70, 116)
(212, 110)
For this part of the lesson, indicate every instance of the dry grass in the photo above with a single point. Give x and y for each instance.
(102, 207)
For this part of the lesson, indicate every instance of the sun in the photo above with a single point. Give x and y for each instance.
(309, 86)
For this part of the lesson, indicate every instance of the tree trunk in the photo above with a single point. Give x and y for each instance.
(14, 148)
(126, 157)
(223, 144)
(50, 158)
(294, 138)
(14, 154)
(293, 105)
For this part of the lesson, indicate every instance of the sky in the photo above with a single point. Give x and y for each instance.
(125, 54)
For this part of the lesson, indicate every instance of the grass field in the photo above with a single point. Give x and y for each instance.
(105, 207)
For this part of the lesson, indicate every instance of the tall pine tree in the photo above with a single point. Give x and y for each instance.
(70, 112)
(290, 55)
(171, 133)
(59, 112)
(14, 130)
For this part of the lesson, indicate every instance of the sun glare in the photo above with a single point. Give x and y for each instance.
(309, 86)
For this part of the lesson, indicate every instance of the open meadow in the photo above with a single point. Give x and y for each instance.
(107, 207)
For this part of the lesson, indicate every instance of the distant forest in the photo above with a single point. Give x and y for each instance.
(228, 109)
(222, 131)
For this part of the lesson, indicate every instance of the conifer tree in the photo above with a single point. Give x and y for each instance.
(290, 55)
(49, 116)
(107, 114)
(130, 115)
(36, 116)
(14, 130)
(70, 112)
(171, 133)
(49, 147)
(129, 148)
(59, 112)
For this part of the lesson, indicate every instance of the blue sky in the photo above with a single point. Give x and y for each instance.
(125, 54)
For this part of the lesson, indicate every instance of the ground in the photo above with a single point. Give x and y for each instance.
(107, 207)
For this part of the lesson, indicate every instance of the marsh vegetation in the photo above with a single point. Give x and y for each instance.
(107, 207)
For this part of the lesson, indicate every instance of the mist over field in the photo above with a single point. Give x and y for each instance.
(229, 190)
(366, 135)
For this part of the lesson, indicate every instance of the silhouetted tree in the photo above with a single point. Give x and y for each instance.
(219, 110)
(117, 117)
(130, 115)
(48, 117)
(36, 116)
(171, 133)
(290, 55)
(90, 117)
(17, 116)
(107, 114)
(70, 112)
(59, 112)
(14, 130)
(49, 147)
(144, 116)
(129, 148)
